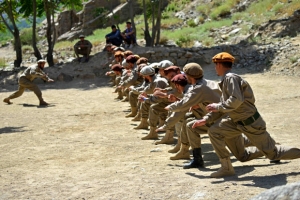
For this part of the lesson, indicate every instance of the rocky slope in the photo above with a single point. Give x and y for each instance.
(277, 52)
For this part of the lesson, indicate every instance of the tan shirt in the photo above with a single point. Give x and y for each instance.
(237, 99)
(203, 92)
(85, 44)
(33, 72)
(157, 82)
(132, 78)
(140, 89)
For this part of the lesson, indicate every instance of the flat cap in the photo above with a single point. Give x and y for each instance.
(128, 53)
(147, 71)
(41, 61)
(194, 70)
(142, 60)
(141, 66)
(171, 68)
(116, 67)
(119, 53)
(81, 36)
(223, 57)
(119, 49)
(180, 79)
(154, 65)
(124, 63)
(164, 64)
(131, 59)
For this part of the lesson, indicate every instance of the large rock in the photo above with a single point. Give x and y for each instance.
(286, 192)
(66, 20)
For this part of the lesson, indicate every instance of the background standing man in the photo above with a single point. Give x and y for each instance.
(25, 82)
(83, 47)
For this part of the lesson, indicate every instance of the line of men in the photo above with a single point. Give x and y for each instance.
(164, 98)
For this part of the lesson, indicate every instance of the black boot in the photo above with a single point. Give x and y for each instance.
(197, 161)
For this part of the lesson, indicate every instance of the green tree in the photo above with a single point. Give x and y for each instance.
(9, 16)
(152, 8)
(32, 8)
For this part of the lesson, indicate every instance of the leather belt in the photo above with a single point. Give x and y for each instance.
(249, 120)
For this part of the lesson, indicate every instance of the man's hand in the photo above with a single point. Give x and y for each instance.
(160, 129)
(159, 89)
(212, 107)
(131, 88)
(50, 80)
(194, 107)
(160, 94)
(142, 98)
(200, 122)
(167, 108)
(172, 98)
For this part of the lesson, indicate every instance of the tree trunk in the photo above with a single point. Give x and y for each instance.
(37, 53)
(18, 48)
(153, 24)
(48, 7)
(158, 22)
(16, 33)
(147, 36)
(53, 29)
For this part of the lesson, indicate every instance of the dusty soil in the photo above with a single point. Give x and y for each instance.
(82, 147)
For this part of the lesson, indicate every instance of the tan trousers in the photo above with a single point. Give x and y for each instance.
(157, 111)
(193, 134)
(24, 83)
(83, 51)
(226, 132)
(183, 134)
(145, 109)
(133, 99)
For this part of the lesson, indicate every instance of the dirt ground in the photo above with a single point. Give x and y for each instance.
(82, 147)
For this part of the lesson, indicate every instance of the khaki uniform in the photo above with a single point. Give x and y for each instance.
(85, 50)
(203, 93)
(134, 93)
(158, 110)
(157, 82)
(237, 101)
(131, 79)
(25, 82)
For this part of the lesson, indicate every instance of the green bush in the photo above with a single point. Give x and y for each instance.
(293, 59)
(204, 9)
(278, 7)
(26, 48)
(26, 36)
(191, 23)
(220, 11)
(184, 41)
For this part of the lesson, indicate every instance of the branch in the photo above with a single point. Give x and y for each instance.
(6, 24)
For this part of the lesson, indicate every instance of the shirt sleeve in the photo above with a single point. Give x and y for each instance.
(232, 91)
(131, 80)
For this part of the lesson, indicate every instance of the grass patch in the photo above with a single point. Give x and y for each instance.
(63, 45)
(26, 49)
(222, 8)
(2, 62)
(294, 59)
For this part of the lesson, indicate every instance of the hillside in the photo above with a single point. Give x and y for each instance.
(193, 29)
